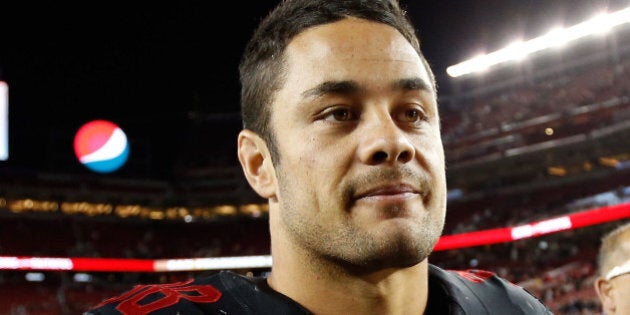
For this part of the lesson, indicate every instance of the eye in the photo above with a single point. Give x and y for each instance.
(412, 115)
(339, 114)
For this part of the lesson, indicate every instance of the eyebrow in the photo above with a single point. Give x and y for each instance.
(332, 87)
(412, 84)
(348, 87)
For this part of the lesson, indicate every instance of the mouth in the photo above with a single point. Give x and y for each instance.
(389, 192)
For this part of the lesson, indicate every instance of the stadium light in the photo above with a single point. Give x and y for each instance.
(4, 121)
(599, 24)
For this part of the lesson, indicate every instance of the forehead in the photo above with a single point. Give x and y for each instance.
(352, 49)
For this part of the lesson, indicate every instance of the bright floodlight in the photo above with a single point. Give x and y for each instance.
(517, 51)
(4, 121)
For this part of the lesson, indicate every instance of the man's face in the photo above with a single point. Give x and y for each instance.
(614, 293)
(621, 293)
(360, 175)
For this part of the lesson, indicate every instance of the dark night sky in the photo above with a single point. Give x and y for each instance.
(147, 68)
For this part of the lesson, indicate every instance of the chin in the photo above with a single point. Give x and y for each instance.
(401, 252)
(391, 261)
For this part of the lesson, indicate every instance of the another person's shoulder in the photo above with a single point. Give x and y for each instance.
(478, 292)
(221, 293)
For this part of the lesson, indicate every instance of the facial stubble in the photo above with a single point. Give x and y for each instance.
(344, 242)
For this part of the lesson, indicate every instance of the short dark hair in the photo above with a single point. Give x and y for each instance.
(262, 64)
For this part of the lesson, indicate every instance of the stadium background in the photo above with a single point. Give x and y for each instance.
(528, 141)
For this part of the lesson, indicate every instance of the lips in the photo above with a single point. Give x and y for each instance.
(389, 185)
(388, 190)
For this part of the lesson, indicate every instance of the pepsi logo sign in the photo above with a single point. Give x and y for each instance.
(101, 146)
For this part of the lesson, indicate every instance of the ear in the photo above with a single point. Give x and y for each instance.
(255, 159)
(604, 292)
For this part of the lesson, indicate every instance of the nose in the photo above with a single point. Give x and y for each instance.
(385, 142)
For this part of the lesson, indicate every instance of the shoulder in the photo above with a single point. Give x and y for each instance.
(216, 294)
(481, 292)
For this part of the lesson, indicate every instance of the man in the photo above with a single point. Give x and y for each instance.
(342, 136)
(613, 284)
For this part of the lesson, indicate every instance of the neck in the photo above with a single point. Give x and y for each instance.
(307, 280)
